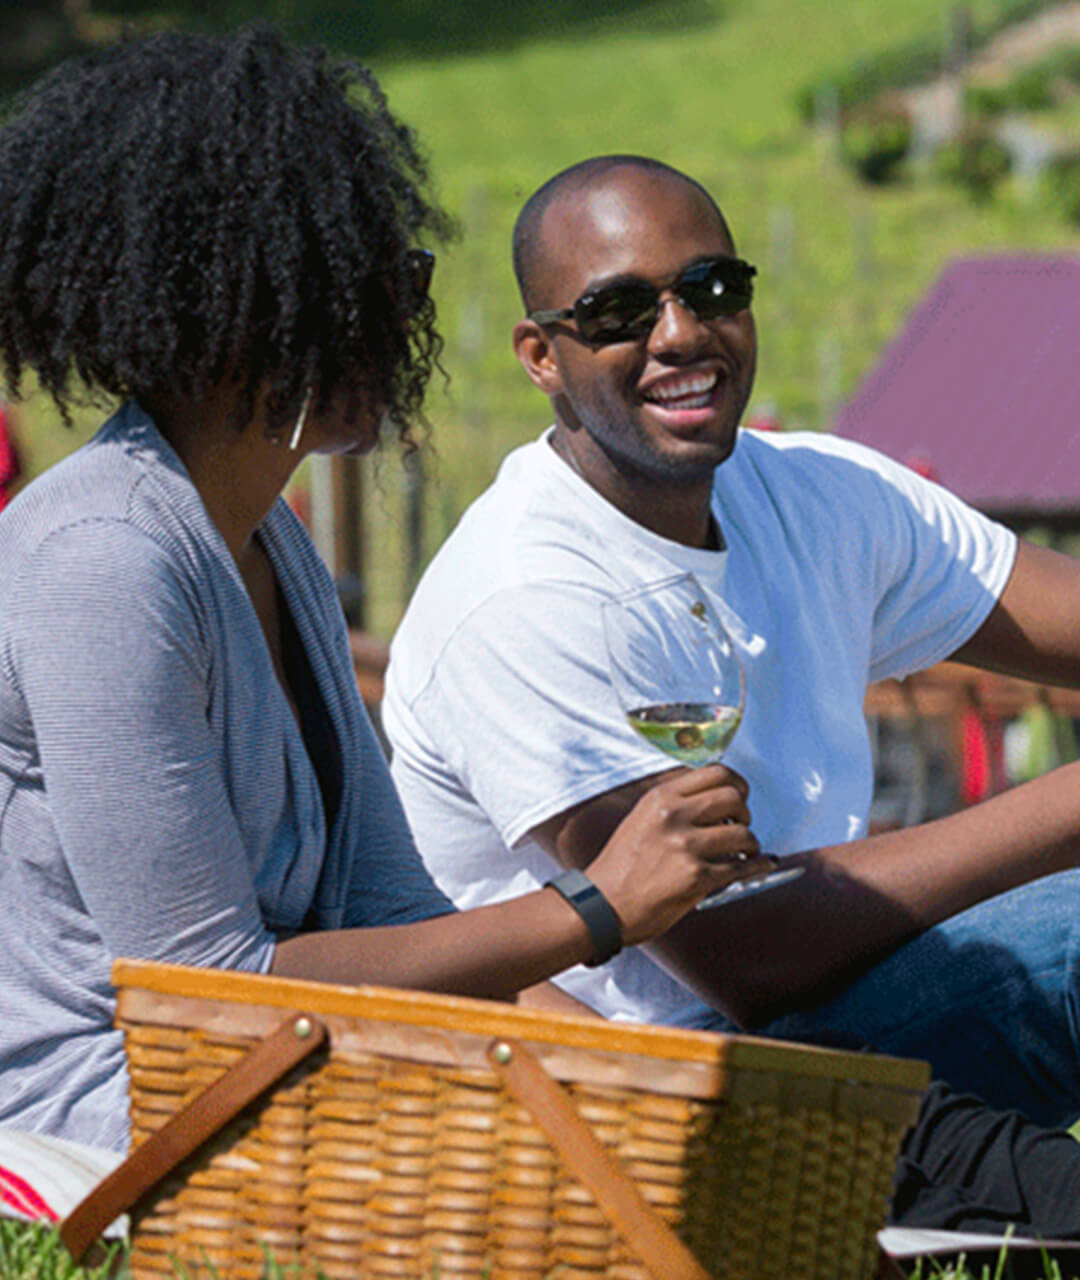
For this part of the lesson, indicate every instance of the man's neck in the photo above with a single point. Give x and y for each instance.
(679, 512)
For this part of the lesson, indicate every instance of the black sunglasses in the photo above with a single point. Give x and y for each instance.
(629, 309)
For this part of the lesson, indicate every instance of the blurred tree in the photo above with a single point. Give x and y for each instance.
(35, 34)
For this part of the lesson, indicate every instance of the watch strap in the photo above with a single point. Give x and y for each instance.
(605, 931)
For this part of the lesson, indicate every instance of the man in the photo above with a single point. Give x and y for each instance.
(514, 759)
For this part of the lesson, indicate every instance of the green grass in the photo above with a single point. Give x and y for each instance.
(35, 1253)
(1000, 1269)
(711, 87)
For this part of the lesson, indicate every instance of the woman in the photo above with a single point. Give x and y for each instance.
(222, 234)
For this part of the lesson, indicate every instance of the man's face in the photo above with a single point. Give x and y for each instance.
(662, 407)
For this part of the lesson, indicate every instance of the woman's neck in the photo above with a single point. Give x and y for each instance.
(238, 471)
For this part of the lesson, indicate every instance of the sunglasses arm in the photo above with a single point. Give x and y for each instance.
(551, 317)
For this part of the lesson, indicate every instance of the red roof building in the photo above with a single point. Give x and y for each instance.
(981, 389)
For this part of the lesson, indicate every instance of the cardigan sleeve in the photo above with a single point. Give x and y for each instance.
(113, 663)
(389, 883)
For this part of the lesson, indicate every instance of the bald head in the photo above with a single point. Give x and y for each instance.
(532, 244)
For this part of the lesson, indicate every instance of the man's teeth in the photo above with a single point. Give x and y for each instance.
(691, 392)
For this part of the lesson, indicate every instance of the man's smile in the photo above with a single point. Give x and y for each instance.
(684, 390)
(686, 399)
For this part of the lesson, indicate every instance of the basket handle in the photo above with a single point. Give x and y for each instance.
(183, 1133)
(617, 1196)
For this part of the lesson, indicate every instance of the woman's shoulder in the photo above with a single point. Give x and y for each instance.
(74, 492)
(93, 518)
(125, 485)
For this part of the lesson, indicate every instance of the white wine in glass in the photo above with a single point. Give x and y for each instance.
(680, 683)
(695, 733)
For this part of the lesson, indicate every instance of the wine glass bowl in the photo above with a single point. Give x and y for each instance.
(675, 669)
(679, 680)
(694, 733)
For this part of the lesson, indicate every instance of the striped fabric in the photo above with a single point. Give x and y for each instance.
(43, 1179)
(156, 797)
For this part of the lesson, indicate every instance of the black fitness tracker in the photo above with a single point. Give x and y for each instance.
(605, 932)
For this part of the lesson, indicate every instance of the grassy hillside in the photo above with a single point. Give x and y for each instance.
(709, 86)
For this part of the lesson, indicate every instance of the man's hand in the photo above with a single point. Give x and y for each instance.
(685, 838)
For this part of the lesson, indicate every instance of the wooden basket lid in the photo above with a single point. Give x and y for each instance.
(419, 1009)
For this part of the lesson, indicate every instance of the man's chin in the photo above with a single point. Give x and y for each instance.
(709, 429)
(693, 455)
(689, 470)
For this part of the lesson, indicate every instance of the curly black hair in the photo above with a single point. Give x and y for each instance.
(184, 209)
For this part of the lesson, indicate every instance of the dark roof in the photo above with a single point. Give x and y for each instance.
(982, 387)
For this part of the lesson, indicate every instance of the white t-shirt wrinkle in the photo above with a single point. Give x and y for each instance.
(840, 567)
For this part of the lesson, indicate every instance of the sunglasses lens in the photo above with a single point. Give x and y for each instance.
(720, 288)
(622, 312)
(615, 314)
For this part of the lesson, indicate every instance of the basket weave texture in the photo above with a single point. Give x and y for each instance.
(398, 1152)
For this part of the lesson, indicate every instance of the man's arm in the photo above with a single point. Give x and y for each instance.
(1034, 629)
(793, 946)
(857, 901)
(546, 995)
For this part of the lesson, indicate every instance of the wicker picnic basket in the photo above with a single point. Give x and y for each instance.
(420, 1136)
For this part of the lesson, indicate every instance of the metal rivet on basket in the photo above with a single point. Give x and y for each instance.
(303, 1028)
(502, 1053)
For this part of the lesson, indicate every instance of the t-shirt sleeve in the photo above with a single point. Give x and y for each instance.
(521, 707)
(938, 567)
(113, 662)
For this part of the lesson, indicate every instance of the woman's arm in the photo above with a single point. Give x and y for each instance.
(679, 844)
(112, 659)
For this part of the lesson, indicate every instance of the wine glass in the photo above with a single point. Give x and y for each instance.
(680, 683)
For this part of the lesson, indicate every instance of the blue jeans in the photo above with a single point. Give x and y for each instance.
(991, 998)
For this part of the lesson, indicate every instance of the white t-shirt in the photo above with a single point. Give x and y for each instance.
(841, 568)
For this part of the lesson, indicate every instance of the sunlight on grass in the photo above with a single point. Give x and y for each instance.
(35, 1253)
(30, 1252)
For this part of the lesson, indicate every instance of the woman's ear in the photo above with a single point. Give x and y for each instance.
(536, 352)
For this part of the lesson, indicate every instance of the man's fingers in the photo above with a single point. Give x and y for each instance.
(708, 778)
(725, 843)
(713, 808)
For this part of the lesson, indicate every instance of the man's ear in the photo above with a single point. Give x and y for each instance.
(536, 352)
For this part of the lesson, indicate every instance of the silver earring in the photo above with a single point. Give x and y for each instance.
(301, 421)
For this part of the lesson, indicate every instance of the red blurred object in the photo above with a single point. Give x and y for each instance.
(764, 420)
(10, 468)
(299, 499)
(922, 466)
(982, 756)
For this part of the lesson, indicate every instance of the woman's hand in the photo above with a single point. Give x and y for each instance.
(684, 839)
